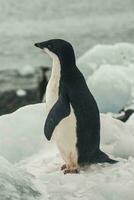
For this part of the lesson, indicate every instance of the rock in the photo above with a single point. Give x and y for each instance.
(21, 87)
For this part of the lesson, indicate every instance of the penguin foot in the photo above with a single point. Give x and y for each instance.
(71, 171)
(63, 167)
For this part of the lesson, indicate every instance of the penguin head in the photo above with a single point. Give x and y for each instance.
(61, 48)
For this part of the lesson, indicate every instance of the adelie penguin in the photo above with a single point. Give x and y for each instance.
(73, 116)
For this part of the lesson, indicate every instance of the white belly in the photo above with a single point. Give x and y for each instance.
(65, 136)
(65, 132)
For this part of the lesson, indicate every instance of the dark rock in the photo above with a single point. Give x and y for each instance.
(127, 114)
(124, 114)
(20, 88)
(43, 82)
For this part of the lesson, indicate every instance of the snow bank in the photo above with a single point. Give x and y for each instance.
(117, 138)
(109, 71)
(118, 54)
(111, 87)
(17, 184)
(130, 121)
(99, 182)
(26, 70)
(21, 133)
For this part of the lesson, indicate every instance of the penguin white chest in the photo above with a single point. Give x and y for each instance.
(65, 132)
(66, 138)
(52, 89)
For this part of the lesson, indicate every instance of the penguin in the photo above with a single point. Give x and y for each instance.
(73, 118)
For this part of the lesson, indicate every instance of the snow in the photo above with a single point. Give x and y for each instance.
(22, 132)
(35, 169)
(26, 70)
(113, 91)
(99, 182)
(109, 71)
(17, 184)
(21, 93)
(131, 120)
(117, 54)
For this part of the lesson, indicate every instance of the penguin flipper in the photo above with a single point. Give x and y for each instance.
(59, 111)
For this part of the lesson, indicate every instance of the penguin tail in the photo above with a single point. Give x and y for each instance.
(101, 157)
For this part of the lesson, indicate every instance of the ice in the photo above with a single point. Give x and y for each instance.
(22, 132)
(124, 147)
(111, 129)
(17, 184)
(100, 182)
(21, 93)
(26, 70)
(119, 54)
(109, 71)
(130, 121)
(117, 137)
(37, 175)
(111, 88)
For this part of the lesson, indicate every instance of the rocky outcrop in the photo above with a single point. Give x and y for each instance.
(21, 87)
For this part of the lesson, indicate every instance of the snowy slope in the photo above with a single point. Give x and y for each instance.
(39, 177)
(21, 134)
(121, 54)
(17, 184)
(99, 182)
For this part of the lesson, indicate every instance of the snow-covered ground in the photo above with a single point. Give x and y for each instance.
(30, 165)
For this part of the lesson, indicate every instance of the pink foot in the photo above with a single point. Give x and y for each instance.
(63, 167)
(71, 171)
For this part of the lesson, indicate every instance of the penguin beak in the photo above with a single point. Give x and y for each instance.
(37, 45)
(41, 46)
